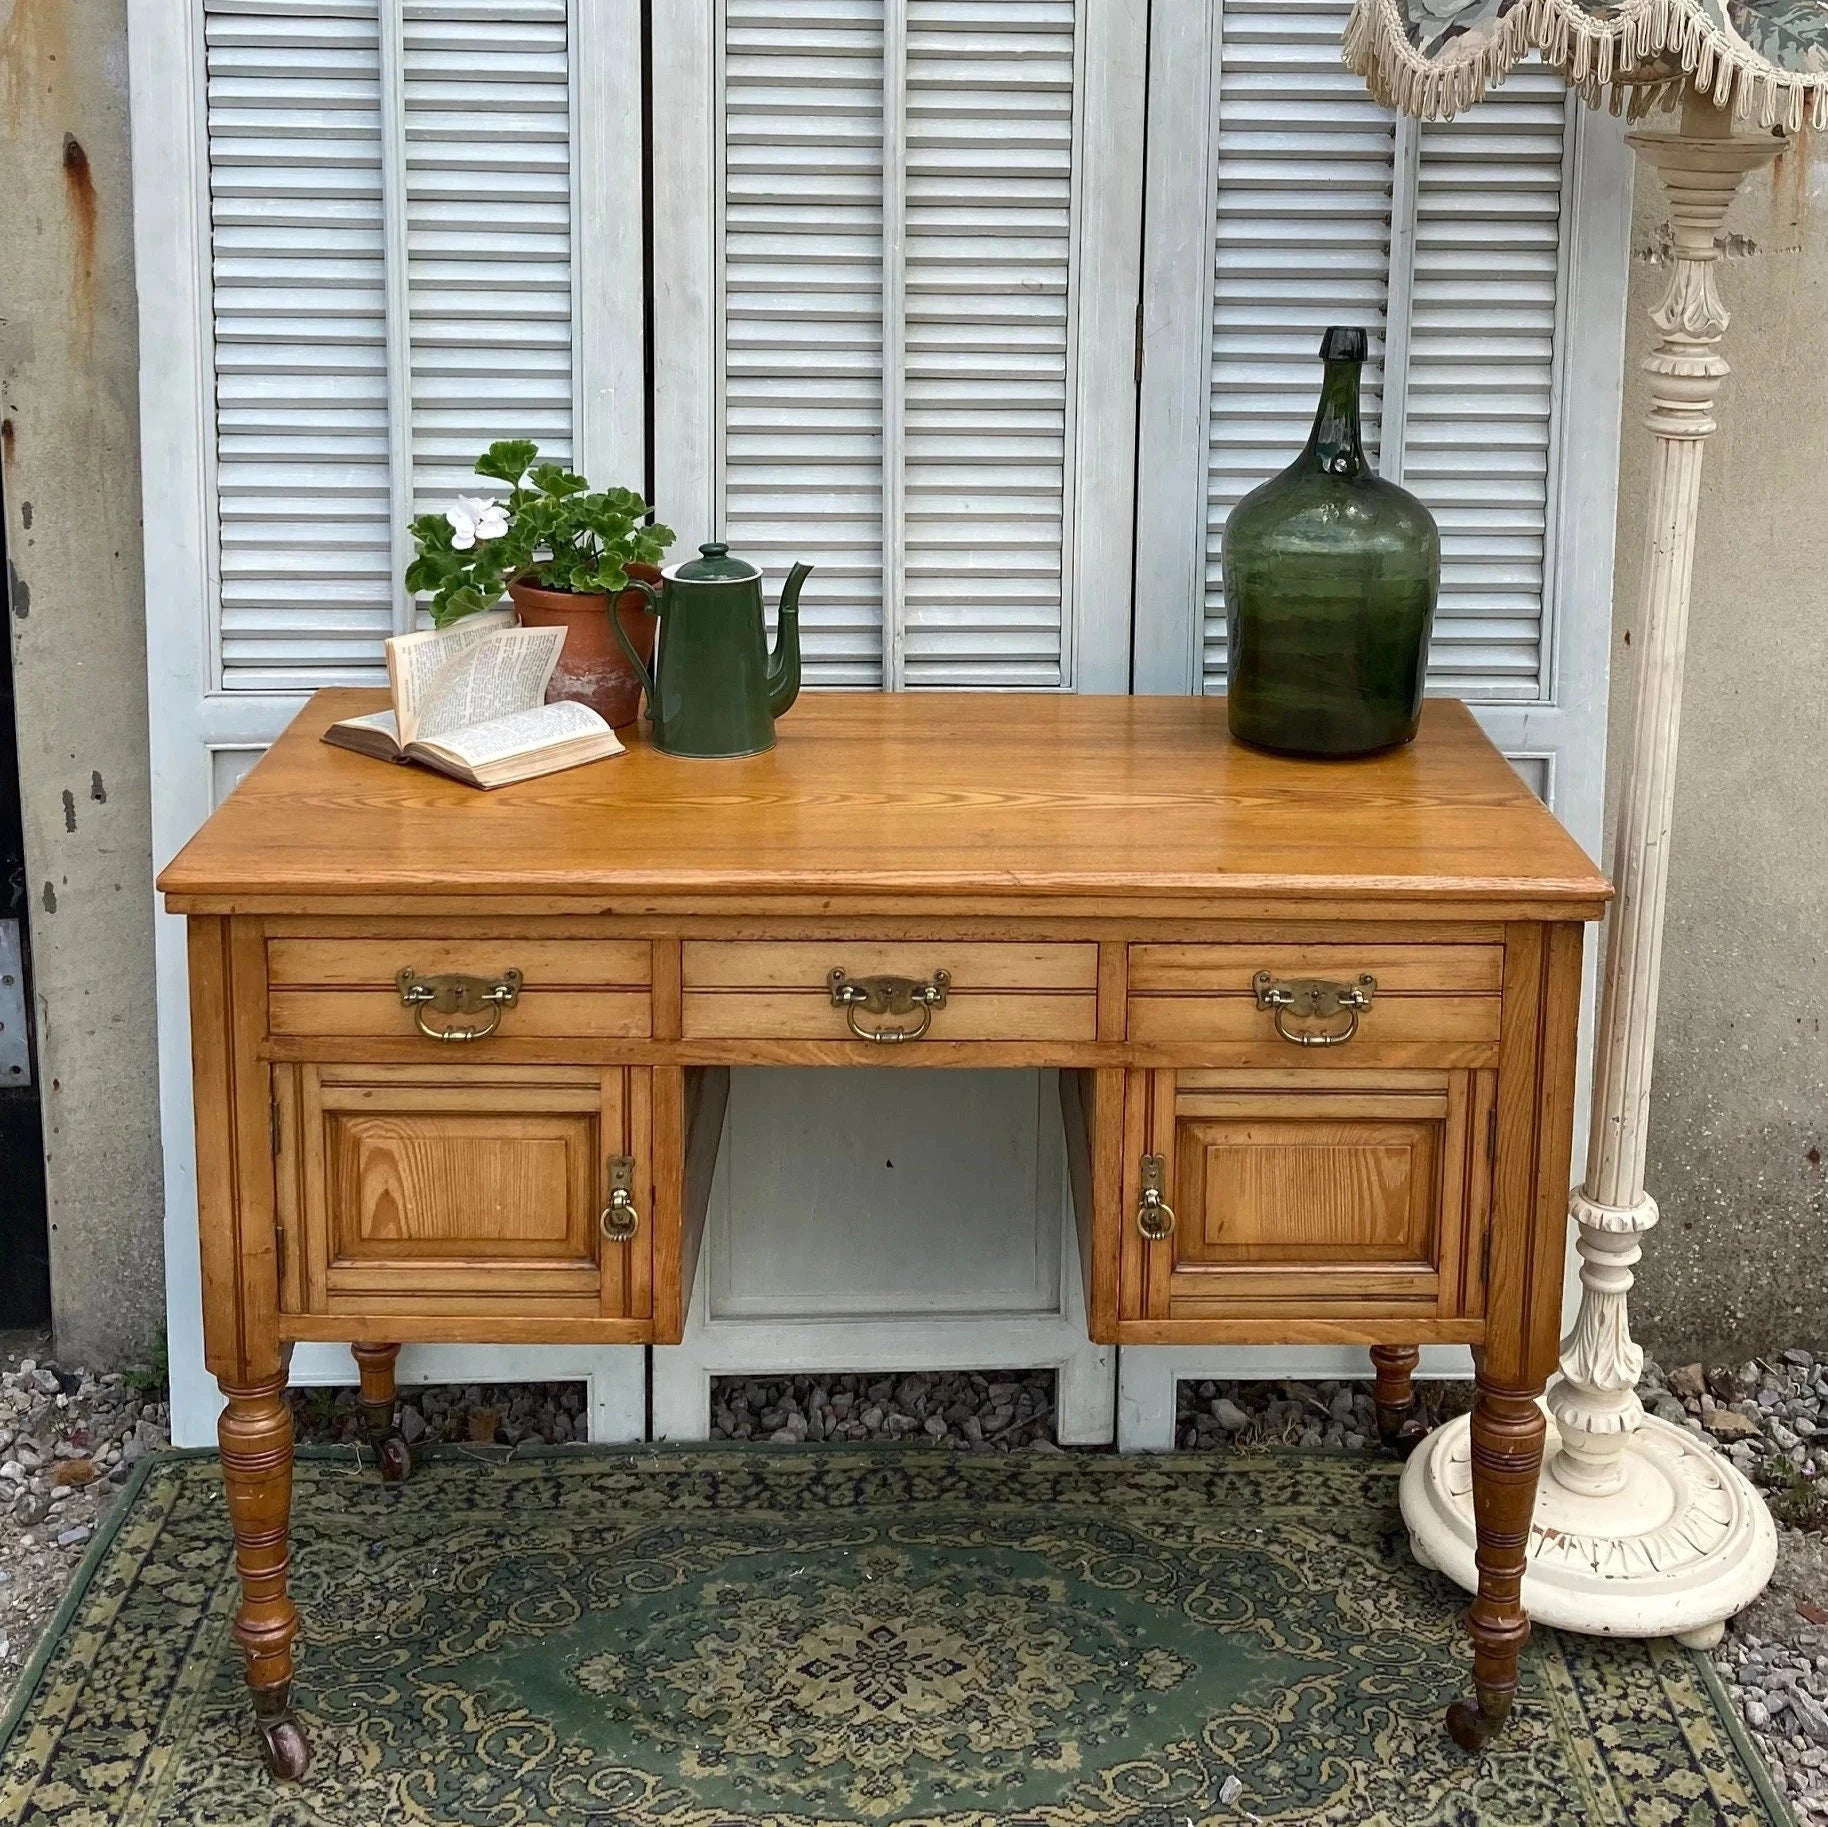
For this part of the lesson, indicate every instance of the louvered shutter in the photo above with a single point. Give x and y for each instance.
(1480, 424)
(486, 165)
(1446, 243)
(802, 312)
(1305, 165)
(897, 369)
(299, 301)
(392, 288)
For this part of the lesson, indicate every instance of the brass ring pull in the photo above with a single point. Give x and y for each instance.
(621, 1217)
(1154, 1215)
(455, 995)
(1314, 998)
(888, 996)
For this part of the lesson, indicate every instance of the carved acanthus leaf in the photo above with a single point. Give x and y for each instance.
(1691, 310)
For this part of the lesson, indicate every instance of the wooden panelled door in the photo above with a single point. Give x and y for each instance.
(400, 1187)
(1256, 1199)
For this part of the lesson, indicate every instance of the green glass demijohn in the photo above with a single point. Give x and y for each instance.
(1331, 575)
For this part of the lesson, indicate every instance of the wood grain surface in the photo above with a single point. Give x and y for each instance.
(1003, 796)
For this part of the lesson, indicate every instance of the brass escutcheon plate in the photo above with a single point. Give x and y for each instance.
(451, 994)
(888, 996)
(1315, 999)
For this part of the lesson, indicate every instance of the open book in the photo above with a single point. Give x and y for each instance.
(470, 701)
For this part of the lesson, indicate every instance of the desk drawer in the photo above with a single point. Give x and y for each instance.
(591, 989)
(782, 990)
(1429, 1004)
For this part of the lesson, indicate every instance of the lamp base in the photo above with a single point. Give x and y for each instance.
(1681, 1546)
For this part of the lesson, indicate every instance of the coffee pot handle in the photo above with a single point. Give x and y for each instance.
(628, 646)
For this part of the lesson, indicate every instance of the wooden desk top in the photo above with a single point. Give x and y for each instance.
(1032, 802)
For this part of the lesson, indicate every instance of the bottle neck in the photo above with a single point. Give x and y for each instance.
(1335, 440)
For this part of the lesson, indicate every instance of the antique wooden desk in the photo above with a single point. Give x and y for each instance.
(461, 1058)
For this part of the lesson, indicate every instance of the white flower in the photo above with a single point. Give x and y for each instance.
(475, 517)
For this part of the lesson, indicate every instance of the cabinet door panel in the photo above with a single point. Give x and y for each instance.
(1305, 1198)
(1303, 1190)
(462, 1190)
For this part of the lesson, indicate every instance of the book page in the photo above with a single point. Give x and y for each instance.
(523, 732)
(415, 660)
(371, 735)
(380, 721)
(491, 679)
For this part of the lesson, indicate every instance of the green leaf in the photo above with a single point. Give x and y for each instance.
(432, 531)
(467, 601)
(554, 479)
(508, 459)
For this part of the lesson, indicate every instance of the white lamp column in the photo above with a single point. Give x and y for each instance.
(1640, 1529)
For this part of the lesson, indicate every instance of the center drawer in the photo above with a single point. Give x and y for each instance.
(783, 990)
(573, 989)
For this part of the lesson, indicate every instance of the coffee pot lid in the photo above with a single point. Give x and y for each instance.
(713, 565)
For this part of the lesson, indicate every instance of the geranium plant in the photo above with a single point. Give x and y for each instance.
(553, 530)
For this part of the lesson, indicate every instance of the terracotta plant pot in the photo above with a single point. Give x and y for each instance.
(593, 669)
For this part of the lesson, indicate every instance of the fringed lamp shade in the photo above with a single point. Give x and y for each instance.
(1767, 59)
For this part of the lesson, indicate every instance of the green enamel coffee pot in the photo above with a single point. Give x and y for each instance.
(715, 690)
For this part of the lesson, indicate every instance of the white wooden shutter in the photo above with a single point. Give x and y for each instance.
(983, 347)
(486, 169)
(299, 302)
(1484, 315)
(391, 191)
(1301, 239)
(371, 236)
(1446, 243)
(802, 308)
(886, 300)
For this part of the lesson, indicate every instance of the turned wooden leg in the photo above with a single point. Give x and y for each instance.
(1398, 1425)
(255, 1433)
(380, 1401)
(1507, 1435)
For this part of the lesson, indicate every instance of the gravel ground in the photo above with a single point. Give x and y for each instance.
(68, 1440)
(67, 1443)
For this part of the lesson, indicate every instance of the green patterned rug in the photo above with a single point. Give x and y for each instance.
(856, 1637)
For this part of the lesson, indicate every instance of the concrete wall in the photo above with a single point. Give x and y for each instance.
(69, 440)
(1740, 1107)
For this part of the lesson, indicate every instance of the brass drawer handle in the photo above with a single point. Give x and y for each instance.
(1314, 998)
(888, 996)
(621, 1218)
(1154, 1215)
(454, 995)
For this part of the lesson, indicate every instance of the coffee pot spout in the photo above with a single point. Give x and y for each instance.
(784, 662)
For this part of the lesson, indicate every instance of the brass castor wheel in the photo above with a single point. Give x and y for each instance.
(282, 1739)
(1401, 1430)
(395, 1459)
(1472, 1727)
